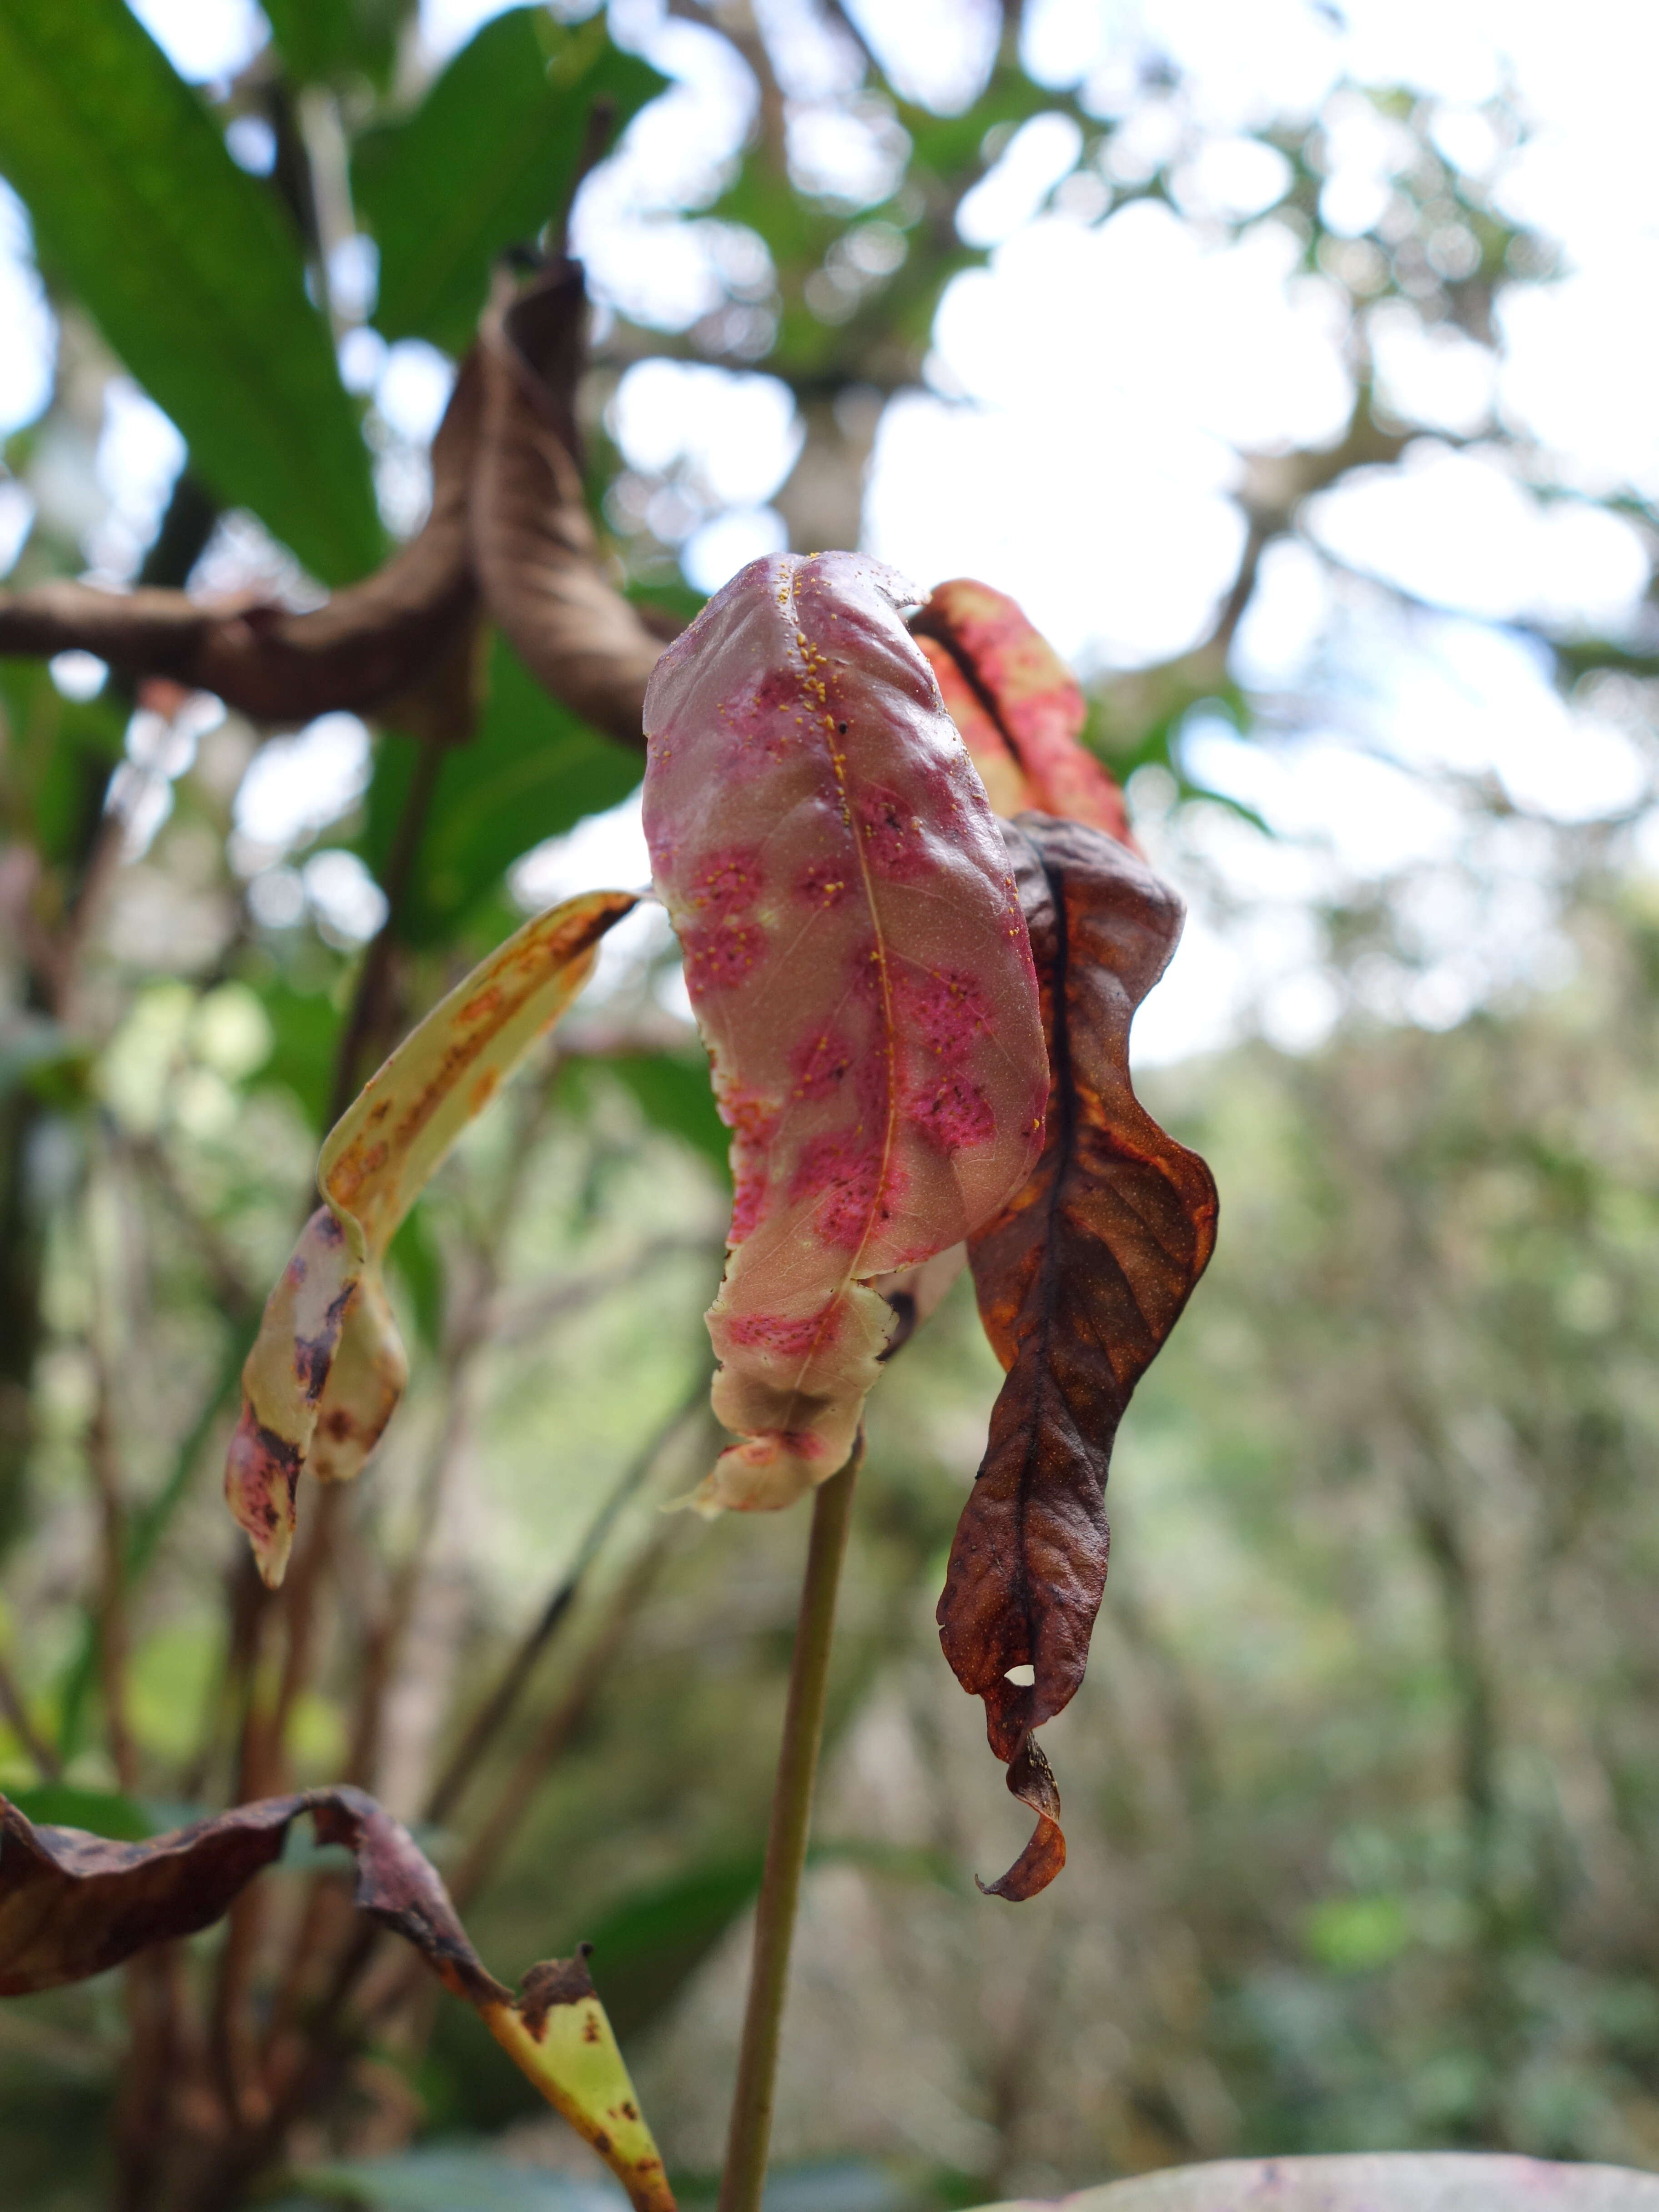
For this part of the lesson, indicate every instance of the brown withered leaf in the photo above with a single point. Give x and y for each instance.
(1079, 1281)
(368, 644)
(73, 1904)
(536, 553)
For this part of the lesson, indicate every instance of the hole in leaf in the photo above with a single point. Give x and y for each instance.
(1022, 1678)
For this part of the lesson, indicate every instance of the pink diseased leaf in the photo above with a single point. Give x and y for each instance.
(1018, 707)
(859, 962)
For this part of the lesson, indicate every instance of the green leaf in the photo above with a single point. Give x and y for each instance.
(1356, 1934)
(57, 757)
(484, 162)
(414, 1255)
(674, 1093)
(305, 1027)
(650, 1944)
(189, 269)
(532, 771)
(321, 39)
(99, 1811)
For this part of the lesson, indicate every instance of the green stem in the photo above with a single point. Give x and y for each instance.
(786, 1845)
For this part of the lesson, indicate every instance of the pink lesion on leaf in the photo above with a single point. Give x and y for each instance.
(892, 834)
(944, 1015)
(750, 1112)
(793, 1339)
(724, 882)
(952, 1112)
(823, 885)
(753, 1120)
(944, 1011)
(751, 1186)
(761, 1446)
(720, 957)
(855, 1182)
(820, 1066)
(762, 719)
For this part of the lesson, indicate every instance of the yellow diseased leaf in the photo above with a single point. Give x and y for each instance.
(559, 2036)
(385, 1145)
(328, 1366)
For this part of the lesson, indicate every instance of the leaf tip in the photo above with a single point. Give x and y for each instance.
(262, 1471)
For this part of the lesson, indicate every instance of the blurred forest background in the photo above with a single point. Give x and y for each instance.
(1292, 365)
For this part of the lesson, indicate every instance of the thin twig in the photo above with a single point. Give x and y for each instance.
(103, 1463)
(233, 1295)
(511, 1320)
(752, 2101)
(261, 1771)
(470, 1330)
(499, 1705)
(46, 1761)
(518, 1793)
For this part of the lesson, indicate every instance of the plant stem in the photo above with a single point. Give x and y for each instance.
(750, 2132)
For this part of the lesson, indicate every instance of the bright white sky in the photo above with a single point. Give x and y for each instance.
(1087, 399)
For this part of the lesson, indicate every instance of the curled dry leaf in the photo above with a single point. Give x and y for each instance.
(537, 557)
(327, 1368)
(1018, 707)
(508, 526)
(1080, 1279)
(72, 1905)
(859, 963)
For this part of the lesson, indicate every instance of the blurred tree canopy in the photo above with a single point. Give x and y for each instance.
(1367, 1753)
